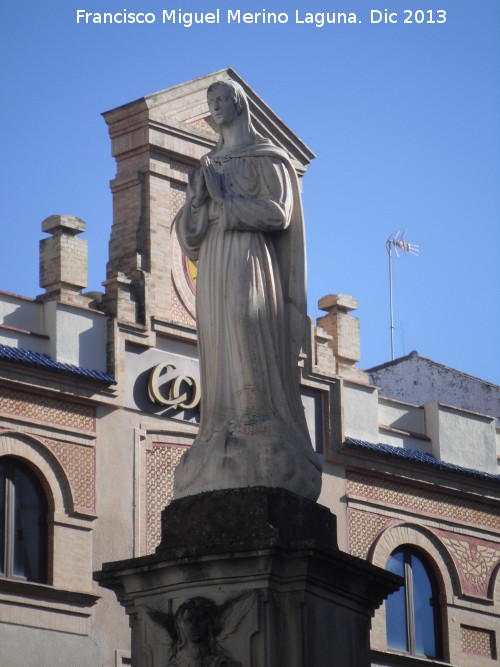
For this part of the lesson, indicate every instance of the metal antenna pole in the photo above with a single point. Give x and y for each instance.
(390, 297)
(397, 241)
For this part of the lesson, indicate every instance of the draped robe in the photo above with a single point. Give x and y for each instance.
(251, 318)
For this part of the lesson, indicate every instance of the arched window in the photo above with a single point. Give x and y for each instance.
(23, 523)
(412, 612)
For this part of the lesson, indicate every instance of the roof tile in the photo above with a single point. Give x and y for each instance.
(38, 360)
(419, 457)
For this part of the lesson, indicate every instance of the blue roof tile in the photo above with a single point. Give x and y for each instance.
(419, 457)
(37, 360)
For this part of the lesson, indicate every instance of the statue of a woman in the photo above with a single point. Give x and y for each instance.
(243, 223)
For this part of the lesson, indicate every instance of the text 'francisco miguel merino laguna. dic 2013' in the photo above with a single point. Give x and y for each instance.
(187, 19)
(263, 17)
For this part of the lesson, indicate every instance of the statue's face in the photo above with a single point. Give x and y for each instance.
(195, 623)
(221, 105)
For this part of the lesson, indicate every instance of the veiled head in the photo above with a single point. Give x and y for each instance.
(223, 105)
(234, 91)
(232, 107)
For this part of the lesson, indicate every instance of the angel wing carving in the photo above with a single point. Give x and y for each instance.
(232, 612)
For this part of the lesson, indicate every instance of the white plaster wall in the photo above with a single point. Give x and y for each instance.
(47, 648)
(408, 419)
(401, 416)
(462, 438)
(405, 442)
(21, 313)
(360, 412)
(23, 341)
(77, 336)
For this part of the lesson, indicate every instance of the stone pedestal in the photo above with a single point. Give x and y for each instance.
(252, 578)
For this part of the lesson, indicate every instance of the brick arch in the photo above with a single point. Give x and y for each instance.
(494, 587)
(428, 544)
(439, 562)
(50, 472)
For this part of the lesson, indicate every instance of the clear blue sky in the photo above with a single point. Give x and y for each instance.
(404, 120)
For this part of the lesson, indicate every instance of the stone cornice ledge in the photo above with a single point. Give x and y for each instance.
(45, 593)
(387, 659)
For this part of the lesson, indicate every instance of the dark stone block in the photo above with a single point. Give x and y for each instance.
(241, 519)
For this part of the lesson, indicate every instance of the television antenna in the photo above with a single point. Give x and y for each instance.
(397, 242)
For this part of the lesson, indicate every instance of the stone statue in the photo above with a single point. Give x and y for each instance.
(243, 223)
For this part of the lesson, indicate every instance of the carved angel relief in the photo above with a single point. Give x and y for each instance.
(199, 629)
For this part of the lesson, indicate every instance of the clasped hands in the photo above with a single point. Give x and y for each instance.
(206, 183)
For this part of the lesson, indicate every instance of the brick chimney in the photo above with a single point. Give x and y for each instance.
(63, 260)
(343, 331)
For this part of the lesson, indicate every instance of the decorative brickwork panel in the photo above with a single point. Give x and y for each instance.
(422, 500)
(363, 529)
(78, 462)
(475, 559)
(476, 641)
(179, 312)
(177, 198)
(161, 462)
(46, 409)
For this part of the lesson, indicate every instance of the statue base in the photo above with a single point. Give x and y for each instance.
(253, 459)
(252, 578)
